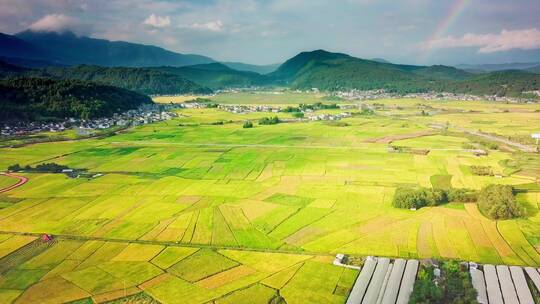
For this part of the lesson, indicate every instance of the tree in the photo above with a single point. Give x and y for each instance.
(247, 125)
(499, 202)
(15, 168)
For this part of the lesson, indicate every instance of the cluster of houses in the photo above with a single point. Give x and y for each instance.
(329, 116)
(143, 115)
(244, 109)
(379, 94)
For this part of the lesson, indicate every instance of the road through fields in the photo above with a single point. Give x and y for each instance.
(22, 181)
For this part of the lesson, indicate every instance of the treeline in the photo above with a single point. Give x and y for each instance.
(42, 168)
(494, 201)
(47, 99)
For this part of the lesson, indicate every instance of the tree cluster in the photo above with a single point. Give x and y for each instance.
(499, 202)
(408, 198)
(269, 120)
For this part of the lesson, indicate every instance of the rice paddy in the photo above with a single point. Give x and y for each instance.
(192, 212)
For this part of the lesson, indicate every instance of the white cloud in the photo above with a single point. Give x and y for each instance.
(59, 23)
(212, 26)
(526, 39)
(158, 21)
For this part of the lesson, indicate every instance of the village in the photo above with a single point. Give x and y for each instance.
(381, 94)
(143, 115)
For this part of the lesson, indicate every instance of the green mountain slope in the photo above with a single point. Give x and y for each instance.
(142, 80)
(334, 71)
(503, 83)
(442, 72)
(535, 69)
(7, 69)
(290, 68)
(46, 99)
(216, 75)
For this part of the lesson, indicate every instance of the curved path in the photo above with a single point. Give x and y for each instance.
(22, 181)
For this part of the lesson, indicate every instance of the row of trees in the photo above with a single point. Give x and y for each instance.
(494, 201)
(44, 168)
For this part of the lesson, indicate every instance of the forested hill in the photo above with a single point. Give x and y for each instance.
(47, 99)
(142, 80)
(335, 71)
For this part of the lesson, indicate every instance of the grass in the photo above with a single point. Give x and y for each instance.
(299, 187)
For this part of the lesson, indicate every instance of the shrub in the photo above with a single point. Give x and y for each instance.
(499, 202)
(481, 170)
(247, 125)
(298, 115)
(408, 198)
(425, 290)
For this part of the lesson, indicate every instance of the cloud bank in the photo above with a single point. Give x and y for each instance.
(59, 23)
(506, 40)
(158, 21)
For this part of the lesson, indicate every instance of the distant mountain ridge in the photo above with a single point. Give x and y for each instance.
(69, 49)
(498, 67)
(261, 69)
(217, 76)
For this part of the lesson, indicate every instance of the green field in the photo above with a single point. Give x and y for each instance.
(302, 191)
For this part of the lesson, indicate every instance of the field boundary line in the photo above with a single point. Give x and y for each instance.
(166, 243)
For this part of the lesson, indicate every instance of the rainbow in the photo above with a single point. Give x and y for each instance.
(455, 11)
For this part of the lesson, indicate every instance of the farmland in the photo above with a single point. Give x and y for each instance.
(268, 206)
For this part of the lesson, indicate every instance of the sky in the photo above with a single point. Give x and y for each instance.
(271, 31)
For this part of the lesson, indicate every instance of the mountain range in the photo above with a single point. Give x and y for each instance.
(155, 71)
(69, 49)
(483, 68)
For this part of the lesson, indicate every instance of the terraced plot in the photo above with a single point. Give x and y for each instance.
(71, 270)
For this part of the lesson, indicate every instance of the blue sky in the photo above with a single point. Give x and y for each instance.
(261, 32)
